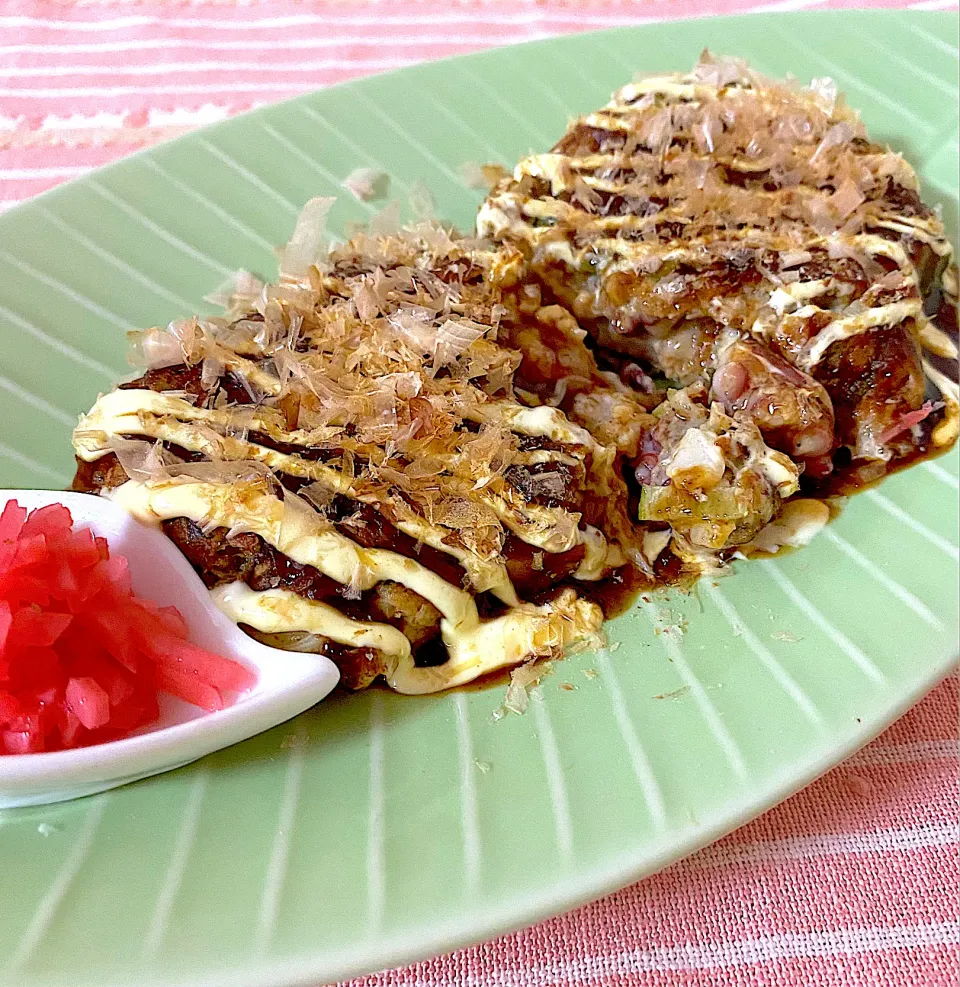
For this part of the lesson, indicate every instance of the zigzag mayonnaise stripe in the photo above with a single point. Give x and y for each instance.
(475, 647)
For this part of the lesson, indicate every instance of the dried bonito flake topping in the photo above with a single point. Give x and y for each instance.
(345, 456)
(367, 184)
(381, 359)
(722, 228)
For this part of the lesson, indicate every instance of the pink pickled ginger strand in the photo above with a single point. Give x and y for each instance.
(908, 420)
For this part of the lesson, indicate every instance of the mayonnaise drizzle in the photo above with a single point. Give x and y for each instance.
(474, 646)
(277, 611)
(516, 215)
(172, 419)
(493, 644)
(844, 328)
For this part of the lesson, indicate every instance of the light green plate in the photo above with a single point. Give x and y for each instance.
(378, 829)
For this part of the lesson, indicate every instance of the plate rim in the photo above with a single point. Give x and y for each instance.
(892, 14)
(551, 900)
(630, 865)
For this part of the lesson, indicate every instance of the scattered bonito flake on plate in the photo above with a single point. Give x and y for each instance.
(784, 636)
(484, 176)
(367, 184)
(522, 679)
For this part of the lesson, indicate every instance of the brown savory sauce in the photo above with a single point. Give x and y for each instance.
(852, 478)
(617, 594)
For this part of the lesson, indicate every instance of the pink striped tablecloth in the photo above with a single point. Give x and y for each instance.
(851, 883)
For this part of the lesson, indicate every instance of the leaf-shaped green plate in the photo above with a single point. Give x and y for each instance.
(380, 828)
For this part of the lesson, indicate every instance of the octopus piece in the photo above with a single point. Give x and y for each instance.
(792, 410)
(716, 204)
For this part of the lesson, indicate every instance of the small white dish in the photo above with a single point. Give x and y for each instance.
(287, 682)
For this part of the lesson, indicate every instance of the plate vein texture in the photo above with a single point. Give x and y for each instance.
(400, 827)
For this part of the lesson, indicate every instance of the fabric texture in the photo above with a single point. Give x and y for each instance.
(851, 883)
